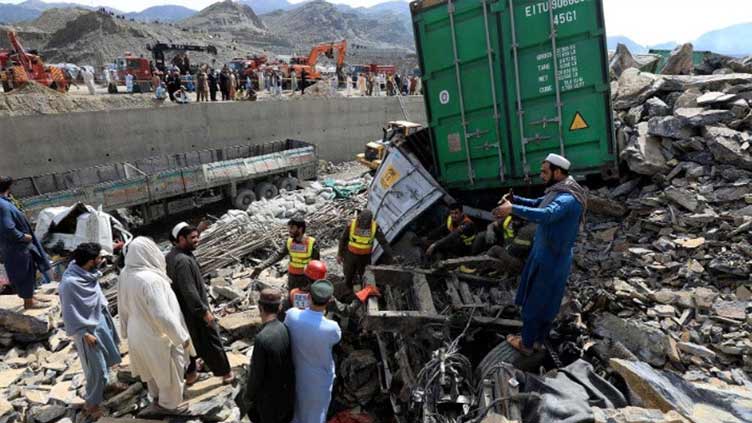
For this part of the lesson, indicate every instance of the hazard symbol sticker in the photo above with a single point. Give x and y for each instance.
(578, 123)
(390, 176)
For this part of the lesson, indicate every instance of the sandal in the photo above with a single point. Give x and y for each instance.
(515, 341)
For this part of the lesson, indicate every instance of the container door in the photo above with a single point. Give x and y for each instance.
(561, 101)
(461, 63)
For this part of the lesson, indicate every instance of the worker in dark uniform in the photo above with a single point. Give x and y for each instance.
(301, 249)
(455, 238)
(356, 246)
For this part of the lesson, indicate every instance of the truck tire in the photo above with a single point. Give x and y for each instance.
(507, 354)
(244, 199)
(266, 190)
(288, 184)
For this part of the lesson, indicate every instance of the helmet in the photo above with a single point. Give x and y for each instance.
(315, 270)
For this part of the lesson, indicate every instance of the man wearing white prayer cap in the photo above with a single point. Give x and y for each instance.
(544, 279)
(190, 290)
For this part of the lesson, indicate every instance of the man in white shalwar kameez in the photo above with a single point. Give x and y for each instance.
(151, 320)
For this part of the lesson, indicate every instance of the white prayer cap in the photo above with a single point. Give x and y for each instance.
(559, 161)
(179, 227)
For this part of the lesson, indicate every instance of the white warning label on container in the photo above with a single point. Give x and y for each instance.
(444, 97)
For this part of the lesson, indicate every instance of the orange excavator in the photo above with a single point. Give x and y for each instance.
(19, 66)
(308, 63)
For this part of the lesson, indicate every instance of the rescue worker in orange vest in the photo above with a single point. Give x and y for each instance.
(356, 246)
(314, 271)
(456, 238)
(301, 249)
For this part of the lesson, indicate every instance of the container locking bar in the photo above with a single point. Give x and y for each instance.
(491, 77)
(470, 171)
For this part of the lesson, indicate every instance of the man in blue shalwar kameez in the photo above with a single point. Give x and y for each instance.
(22, 252)
(558, 214)
(88, 321)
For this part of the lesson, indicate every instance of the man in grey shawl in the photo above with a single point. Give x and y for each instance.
(88, 321)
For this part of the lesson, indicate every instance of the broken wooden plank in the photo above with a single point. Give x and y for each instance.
(410, 321)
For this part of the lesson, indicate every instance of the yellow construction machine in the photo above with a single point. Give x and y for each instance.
(394, 133)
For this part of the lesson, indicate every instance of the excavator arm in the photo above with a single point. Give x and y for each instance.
(20, 52)
(328, 50)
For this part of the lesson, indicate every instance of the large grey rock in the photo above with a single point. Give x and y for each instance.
(701, 117)
(683, 198)
(645, 342)
(726, 146)
(634, 88)
(714, 98)
(621, 61)
(680, 62)
(670, 127)
(687, 98)
(36, 322)
(46, 414)
(643, 153)
(657, 107)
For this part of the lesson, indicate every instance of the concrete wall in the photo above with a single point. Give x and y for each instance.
(35, 145)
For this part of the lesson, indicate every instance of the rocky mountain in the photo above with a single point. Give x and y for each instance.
(733, 40)
(166, 13)
(633, 46)
(224, 16)
(319, 21)
(266, 6)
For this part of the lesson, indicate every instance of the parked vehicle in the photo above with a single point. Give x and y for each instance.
(155, 187)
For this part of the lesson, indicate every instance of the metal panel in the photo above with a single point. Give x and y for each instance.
(401, 191)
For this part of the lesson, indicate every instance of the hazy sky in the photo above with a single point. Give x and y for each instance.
(645, 21)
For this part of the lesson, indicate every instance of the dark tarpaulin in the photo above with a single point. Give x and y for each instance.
(566, 395)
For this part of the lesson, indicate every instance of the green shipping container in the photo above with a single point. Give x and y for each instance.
(497, 101)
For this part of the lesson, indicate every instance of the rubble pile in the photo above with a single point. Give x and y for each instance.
(36, 99)
(321, 88)
(664, 275)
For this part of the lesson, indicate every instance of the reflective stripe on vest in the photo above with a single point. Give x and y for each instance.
(300, 254)
(508, 231)
(467, 240)
(361, 240)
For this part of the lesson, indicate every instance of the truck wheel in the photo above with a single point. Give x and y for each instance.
(266, 190)
(244, 199)
(288, 184)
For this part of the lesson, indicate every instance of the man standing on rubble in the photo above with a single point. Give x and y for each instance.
(300, 247)
(456, 237)
(558, 215)
(356, 246)
(88, 321)
(190, 290)
(313, 336)
(22, 252)
(270, 393)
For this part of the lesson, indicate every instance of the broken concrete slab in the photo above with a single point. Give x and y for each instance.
(715, 97)
(697, 350)
(670, 127)
(241, 324)
(682, 197)
(634, 88)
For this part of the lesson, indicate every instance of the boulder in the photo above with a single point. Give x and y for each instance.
(14, 318)
(670, 127)
(728, 150)
(634, 88)
(683, 198)
(621, 61)
(714, 98)
(643, 153)
(46, 414)
(646, 342)
(701, 117)
(680, 62)
(657, 107)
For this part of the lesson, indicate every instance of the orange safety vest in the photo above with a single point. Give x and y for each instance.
(300, 254)
(361, 240)
(467, 240)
